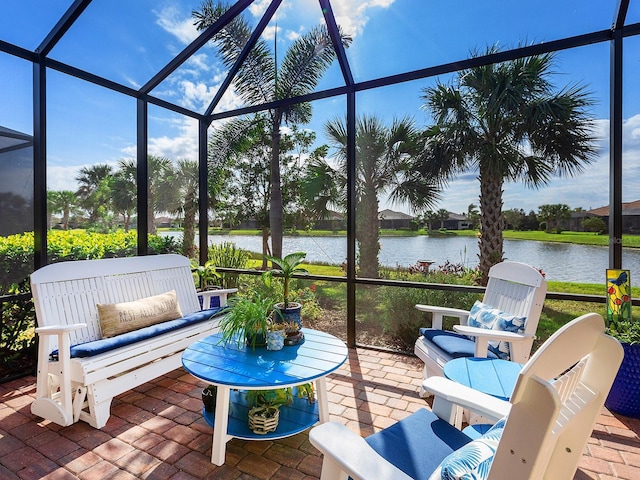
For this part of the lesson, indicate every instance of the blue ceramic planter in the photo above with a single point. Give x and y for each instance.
(290, 314)
(624, 397)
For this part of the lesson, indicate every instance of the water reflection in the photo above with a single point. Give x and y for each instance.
(559, 261)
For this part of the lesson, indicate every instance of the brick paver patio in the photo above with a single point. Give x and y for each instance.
(156, 431)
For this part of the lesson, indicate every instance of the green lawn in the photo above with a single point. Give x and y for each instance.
(581, 238)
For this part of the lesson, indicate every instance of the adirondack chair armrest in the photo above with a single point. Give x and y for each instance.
(519, 349)
(347, 454)
(449, 395)
(492, 334)
(440, 312)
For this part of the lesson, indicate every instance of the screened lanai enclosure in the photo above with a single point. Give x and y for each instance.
(136, 128)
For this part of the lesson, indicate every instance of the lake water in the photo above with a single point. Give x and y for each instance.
(559, 261)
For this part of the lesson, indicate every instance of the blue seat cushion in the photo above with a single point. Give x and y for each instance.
(96, 347)
(453, 343)
(473, 460)
(418, 443)
(214, 302)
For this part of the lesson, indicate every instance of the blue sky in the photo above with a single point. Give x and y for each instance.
(128, 42)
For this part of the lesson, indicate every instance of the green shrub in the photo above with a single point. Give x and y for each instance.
(402, 320)
(228, 255)
(397, 312)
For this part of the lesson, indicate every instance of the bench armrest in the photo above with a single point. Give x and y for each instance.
(448, 395)
(59, 329)
(346, 452)
(223, 293)
(440, 312)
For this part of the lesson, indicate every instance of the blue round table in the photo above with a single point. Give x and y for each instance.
(235, 369)
(489, 375)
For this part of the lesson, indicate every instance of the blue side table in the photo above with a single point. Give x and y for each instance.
(234, 368)
(489, 375)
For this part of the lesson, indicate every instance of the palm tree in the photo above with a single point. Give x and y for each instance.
(443, 215)
(163, 189)
(64, 202)
(261, 80)
(187, 176)
(124, 191)
(506, 122)
(90, 180)
(385, 158)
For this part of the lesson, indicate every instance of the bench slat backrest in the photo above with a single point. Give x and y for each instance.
(67, 293)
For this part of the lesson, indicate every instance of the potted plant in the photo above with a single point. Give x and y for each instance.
(264, 405)
(248, 319)
(209, 396)
(624, 396)
(285, 267)
(264, 408)
(276, 335)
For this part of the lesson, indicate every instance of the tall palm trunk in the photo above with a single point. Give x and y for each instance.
(490, 242)
(275, 201)
(189, 230)
(368, 234)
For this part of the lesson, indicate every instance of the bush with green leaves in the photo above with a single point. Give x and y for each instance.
(227, 255)
(397, 312)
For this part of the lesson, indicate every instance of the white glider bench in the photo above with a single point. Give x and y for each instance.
(83, 306)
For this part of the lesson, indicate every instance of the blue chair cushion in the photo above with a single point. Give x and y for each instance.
(418, 443)
(214, 302)
(96, 347)
(482, 315)
(473, 460)
(454, 344)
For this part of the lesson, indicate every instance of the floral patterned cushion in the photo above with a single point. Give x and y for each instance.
(473, 461)
(484, 316)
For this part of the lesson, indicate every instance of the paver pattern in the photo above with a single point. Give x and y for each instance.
(156, 431)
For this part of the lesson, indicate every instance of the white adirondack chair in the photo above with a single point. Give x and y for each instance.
(557, 399)
(514, 288)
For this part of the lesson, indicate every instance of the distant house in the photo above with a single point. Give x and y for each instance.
(630, 216)
(163, 222)
(390, 220)
(457, 222)
(334, 221)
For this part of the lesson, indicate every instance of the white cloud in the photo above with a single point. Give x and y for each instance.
(183, 145)
(269, 33)
(351, 15)
(258, 7)
(199, 61)
(173, 21)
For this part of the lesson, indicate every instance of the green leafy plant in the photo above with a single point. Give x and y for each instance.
(228, 255)
(269, 398)
(248, 318)
(277, 397)
(207, 274)
(626, 331)
(285, 267)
